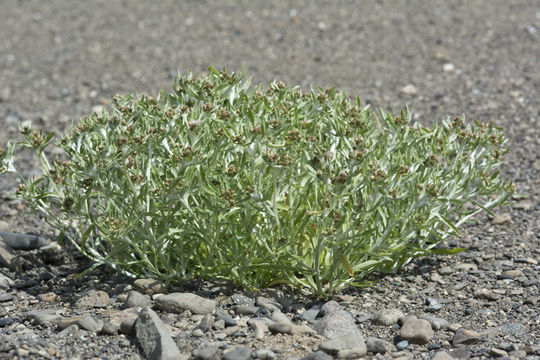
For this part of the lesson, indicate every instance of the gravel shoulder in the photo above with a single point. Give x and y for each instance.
(62, 60)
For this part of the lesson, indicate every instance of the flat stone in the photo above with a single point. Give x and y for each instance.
(497, 352)
(123, 321)
(242, 300)
(436, 322)
(350, 343)
(93, 299)
(5, 282)
(229, 321)
(387, 317)
(268, 304)
(265, 354)
(502, 219)
(329, 307)
(376, 345)
(245, 310)
(208, 353)
(317, 355)
(278, 316)
(6, 297)
(154, 337)
(465, 337)
(136, 299)
(86, 322)
(44, 317)
(22, 241)
(461, 354)
(238, 353)
(179, 302)
(337, 324)
(443, 355)
(149, 286)
(7, 257)
(281, 327)
(416, 331)
(49, 297)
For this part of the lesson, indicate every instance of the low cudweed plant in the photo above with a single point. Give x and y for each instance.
(260, 186)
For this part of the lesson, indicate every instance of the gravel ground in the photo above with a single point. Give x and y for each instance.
(62, 59)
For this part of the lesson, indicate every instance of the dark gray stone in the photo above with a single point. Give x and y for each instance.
(155, 340)
(238, 353)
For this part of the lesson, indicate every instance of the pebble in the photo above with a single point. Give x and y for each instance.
(246, 310)
(17, 241)
(409, 89)
(433, 305)
(265, 354)
(376, 345)
(229, 321)
(278, 316)
(179, 302)
(93, 299)
(268, 304)
(281, 327)
(436, 322)
(242, 300)
(6, 297)
(317, 355)
(402, 345)
(336, 324)
(497, 352)
(502, 219)
(86, 322)
(345, 345)
(443, 355)
(154, 338)
(417, 331)
(465, 337)
(208, 353)
(259, 326)
(44, 317)
(238, 353)
(388, 317)
(136, 299)
(149, 286)
(5, 281)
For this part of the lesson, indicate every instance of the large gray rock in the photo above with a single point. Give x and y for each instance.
(416, 331)
(387, 317)
(154, 338)
(22, 241)
(345, 347)
(337, 323)
(179, 302)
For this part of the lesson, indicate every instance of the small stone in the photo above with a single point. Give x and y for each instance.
(436, 322)
(93, 299)
(206, 323)
(442, 355)
(219, 324)
(17, 241)
(245, 310)
(86, 322)
(136, 299)
(329, 307)
(447, 270)
(317, 355)
(154, 338)
(409, 89)
(268, 304)
(259, 327)
(449, 67)
(354, 343)
(6, 321)
(402, 345)
(48, 297)
(310, 315)
(229, 321)
(337, 324)
(208, 353)
(4, 226)
(462, 354)
(433, 305)
(242, 300)
(524, 205)
(465, 337)
(278, 316)
(238, 353)
(179, 302)
(502, 219)
(388, 317)
(532, 300)
(466, 267)
(44, 317)
(513, 273)
(149, 286)
(284, 328)
(497, 352)
(7, 257)
(376, 345)
(5, 282)
(265, 354)
(197, 333)
(417, 331)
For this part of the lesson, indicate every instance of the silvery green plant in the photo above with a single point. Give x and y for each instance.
(260, 185)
